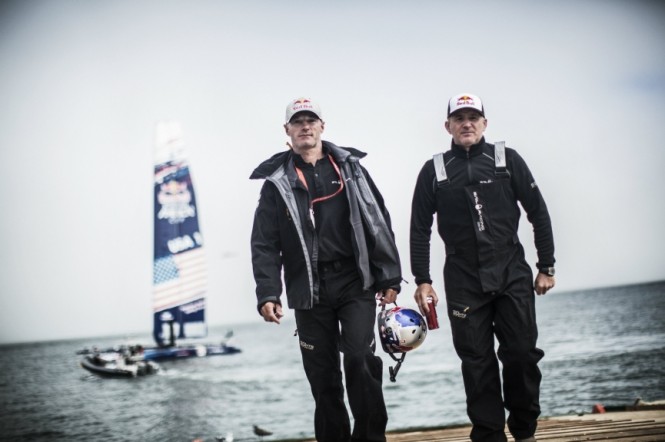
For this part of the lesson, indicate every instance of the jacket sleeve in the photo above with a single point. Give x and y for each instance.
(529, 195)
(379, 199)
(423, 207)
(394, 282)
(266, 248)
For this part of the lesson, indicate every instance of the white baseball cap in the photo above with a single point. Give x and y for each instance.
(302, 105)
(465, 101)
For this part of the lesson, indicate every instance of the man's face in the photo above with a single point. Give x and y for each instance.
(466, 126)
(305, 130)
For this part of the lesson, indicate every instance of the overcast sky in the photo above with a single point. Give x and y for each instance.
(577, 87)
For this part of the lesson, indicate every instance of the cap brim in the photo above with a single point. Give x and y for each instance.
(306, 111)
(482, 113)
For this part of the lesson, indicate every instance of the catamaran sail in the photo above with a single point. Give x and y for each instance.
(179, 270)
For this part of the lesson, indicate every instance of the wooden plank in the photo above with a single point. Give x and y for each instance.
(613, 427)
(554, 431)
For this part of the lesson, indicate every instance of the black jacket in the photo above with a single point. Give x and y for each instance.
(283, 235)
(477, 211)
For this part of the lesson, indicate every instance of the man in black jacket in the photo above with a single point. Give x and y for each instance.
(322, 220)
(474, 189)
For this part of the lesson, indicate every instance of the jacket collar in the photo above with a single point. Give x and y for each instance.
(342, 154)
(461, 152)
(285, 158)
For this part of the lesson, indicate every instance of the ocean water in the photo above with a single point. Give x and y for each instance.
(601, 346)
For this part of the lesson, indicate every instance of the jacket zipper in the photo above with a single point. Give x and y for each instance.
(468, 167)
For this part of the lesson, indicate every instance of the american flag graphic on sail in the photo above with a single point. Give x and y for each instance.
(179, 279)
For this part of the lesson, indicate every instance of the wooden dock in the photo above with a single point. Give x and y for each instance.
(618, 426)
(647, 425)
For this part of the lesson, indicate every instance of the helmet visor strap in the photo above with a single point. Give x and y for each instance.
(393, 371)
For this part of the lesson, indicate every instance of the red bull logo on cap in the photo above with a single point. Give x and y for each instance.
(465, 99)
(301, 104)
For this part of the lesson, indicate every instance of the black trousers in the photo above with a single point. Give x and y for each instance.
(509, 315)
(343, 320)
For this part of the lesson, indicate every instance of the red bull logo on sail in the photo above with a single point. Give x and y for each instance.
(175, 201)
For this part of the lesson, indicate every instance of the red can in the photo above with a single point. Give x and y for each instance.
(432, 320)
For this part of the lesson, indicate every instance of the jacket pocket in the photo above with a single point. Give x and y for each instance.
(463, 331)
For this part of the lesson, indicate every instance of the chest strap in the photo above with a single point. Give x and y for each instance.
(440, 169)
(500, 169)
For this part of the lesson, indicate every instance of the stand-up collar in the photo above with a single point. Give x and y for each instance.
(460, 151)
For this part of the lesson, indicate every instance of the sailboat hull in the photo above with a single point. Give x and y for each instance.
(110, 368)
(188, 351)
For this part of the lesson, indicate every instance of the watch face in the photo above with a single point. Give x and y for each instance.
(549, 271)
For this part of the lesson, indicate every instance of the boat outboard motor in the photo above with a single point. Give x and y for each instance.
(400, 331)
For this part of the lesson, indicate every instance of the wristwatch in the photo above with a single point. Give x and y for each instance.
(549, 271)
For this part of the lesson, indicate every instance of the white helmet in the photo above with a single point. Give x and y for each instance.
(400, 330)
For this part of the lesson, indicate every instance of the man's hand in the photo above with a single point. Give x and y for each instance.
(271, 312)
(543, 283)
(424, 291)
(386, 296)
